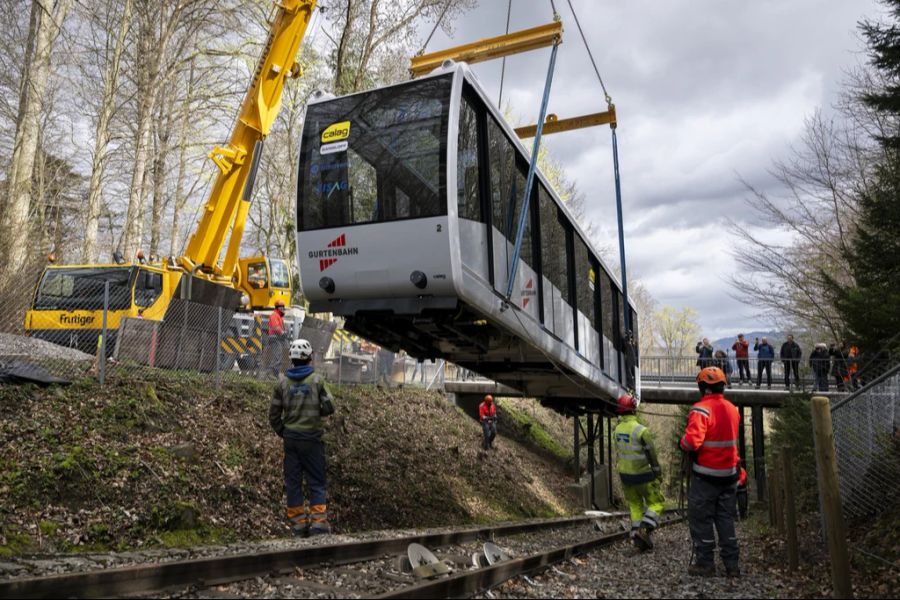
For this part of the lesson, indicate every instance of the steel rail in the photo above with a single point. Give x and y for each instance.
(469, 583)
(146, 579)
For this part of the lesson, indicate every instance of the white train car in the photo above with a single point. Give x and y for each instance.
(408, 201)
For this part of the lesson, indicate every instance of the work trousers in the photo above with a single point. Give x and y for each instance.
(764, 365)
(645, 502)
(711, 512)
(304, 460)
(743, 501)
(489, 431)
(273, 346)
(791, 365)
(821, 382)
(744, 366)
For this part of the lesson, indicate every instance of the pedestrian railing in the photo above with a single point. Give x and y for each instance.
(682, 370)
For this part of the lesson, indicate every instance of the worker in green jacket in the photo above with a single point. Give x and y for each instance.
(639, 471)
(299, 401)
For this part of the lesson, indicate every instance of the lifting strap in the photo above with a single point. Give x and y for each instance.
(626, 310)
(529, 182)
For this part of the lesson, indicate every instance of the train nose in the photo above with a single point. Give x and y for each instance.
(418, 279)
(327, 284)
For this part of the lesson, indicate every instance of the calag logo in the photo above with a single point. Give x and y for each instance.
(336, 132)
(335, 249)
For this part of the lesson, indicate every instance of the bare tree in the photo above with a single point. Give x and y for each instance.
(47, 19)
(676, 330)
(115, 28)
(823, 179)
(372, 32)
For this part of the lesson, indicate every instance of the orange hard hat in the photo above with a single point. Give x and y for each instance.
(711, 375)
(279, 303)
(627, 403)
(488, 398)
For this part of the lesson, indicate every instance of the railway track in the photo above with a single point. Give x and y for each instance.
(356, 569)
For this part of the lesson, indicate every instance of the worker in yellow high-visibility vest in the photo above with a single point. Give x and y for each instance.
(640, 472)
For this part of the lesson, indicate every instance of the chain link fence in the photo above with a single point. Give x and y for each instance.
(83, 326)
(867, 442)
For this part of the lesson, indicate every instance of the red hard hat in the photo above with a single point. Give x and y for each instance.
(488, 398)
(627, 403)
(279, 304)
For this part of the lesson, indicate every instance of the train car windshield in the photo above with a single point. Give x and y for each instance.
(82, 288)
(374, 157)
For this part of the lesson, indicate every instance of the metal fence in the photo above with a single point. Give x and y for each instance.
(82, 336)
(682, 370)
(867, 443)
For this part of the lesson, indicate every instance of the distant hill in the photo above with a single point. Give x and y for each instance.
(776, 338)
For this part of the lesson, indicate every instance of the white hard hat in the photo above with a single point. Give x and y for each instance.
(301, 349)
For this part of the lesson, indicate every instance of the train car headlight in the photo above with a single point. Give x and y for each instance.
(418, 279)
(327, 284)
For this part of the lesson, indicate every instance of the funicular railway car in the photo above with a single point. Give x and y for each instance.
(408, 201)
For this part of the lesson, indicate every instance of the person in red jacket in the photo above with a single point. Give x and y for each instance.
(274, 341)
(711, 436)
(487, 414)
(741, 349)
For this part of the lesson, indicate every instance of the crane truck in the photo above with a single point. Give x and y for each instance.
(69, 300)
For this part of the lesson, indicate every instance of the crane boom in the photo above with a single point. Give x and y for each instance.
(229, 200)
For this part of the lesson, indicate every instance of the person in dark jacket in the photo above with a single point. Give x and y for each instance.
(765, 354)
(721, 360)
(790, 355)
(705, 351)
(839, 365)
(300, 400)
(741, 349)
(820, 364)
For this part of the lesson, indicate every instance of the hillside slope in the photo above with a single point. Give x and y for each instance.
(151, 459)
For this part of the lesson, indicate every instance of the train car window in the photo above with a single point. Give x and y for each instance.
(584, 287)
(606, 303)
(508, 177)
(376, 156)
(634, 329)
(553, 244)
(620, 303)
(467, 197)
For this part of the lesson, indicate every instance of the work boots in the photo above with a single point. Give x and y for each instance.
(641, 538)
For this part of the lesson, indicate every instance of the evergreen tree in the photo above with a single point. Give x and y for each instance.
(871, 307)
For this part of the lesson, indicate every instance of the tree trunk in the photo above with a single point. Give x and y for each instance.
(90, 250)
(180, 193)
(18, 206)
(163, 123)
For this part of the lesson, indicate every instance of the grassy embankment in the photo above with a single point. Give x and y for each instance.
(156, 459)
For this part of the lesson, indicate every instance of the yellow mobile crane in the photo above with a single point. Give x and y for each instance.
(68, 302)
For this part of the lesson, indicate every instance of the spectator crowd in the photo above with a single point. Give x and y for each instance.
(827, 363)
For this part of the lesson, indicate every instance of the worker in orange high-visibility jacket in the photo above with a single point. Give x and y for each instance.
(487, 414)
(711, 436)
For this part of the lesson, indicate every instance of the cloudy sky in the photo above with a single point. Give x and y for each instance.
(706, 91)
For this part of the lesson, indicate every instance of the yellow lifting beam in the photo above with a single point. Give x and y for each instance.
(490, 48)
(554, 125)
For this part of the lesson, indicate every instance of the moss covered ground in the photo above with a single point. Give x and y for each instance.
(154, 459)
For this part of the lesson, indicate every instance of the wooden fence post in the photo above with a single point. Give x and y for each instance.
(790, 510)
(831, 497)
(777, 497)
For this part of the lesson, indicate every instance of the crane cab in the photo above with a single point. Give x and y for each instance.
(264, 280)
